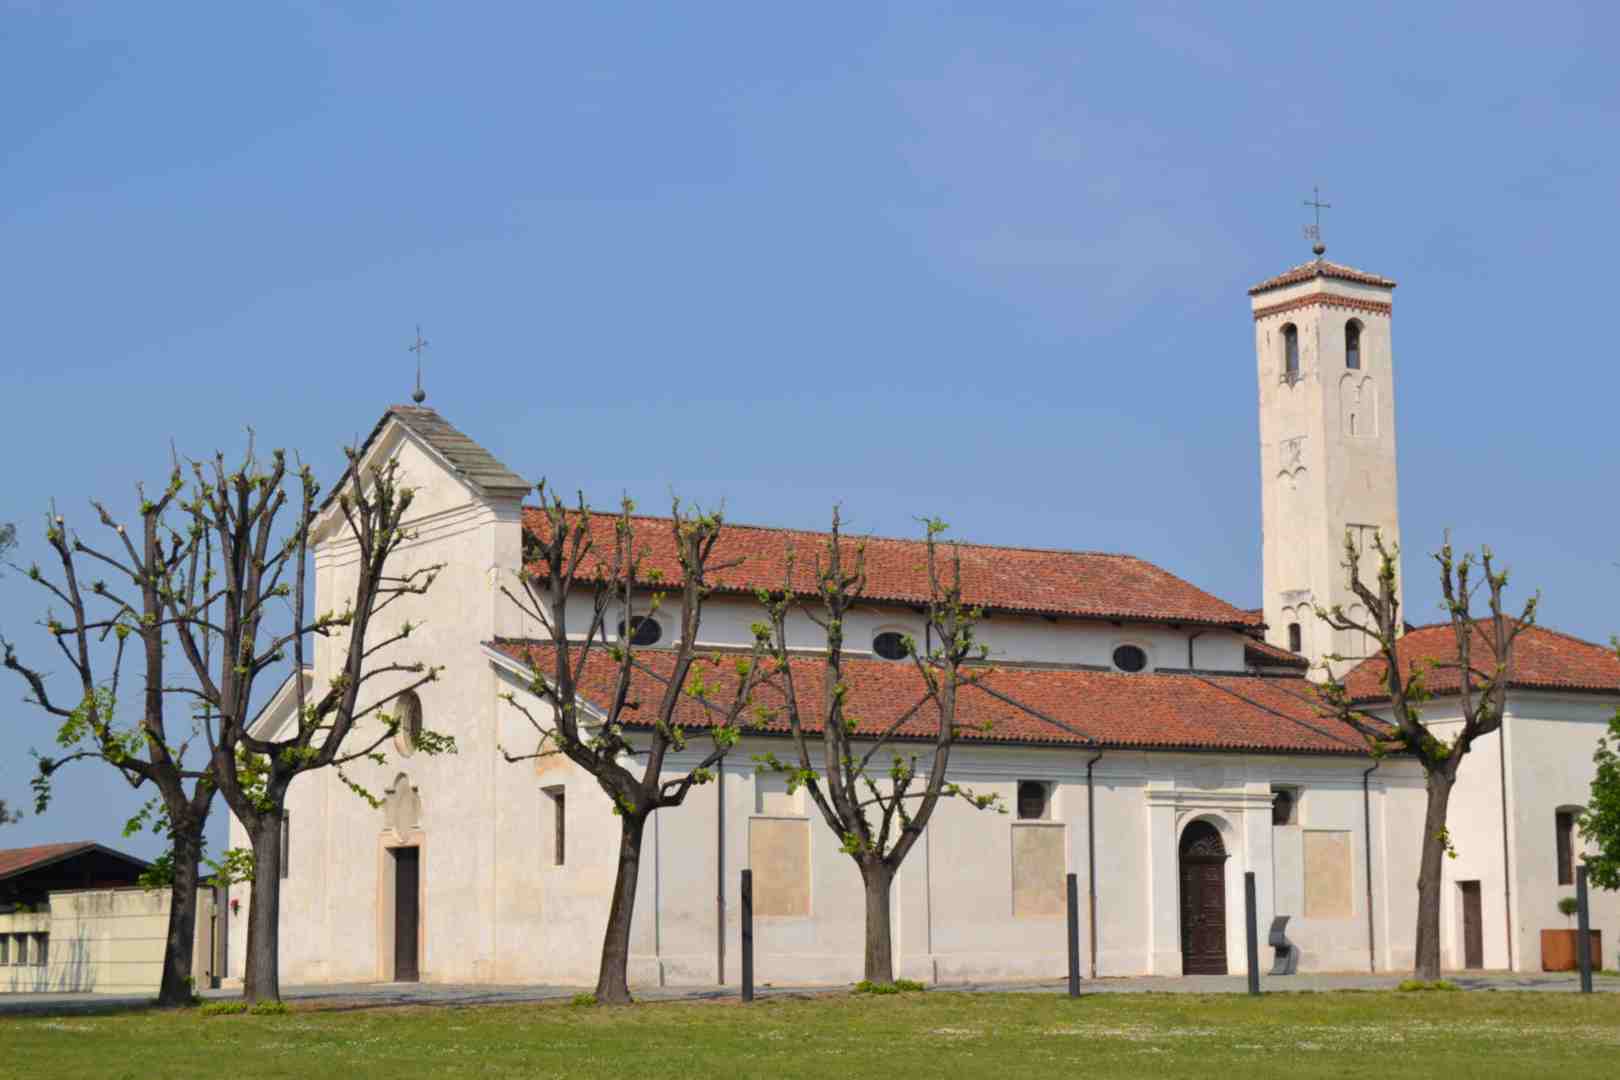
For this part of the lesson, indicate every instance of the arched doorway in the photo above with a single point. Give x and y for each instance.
(1203, 900)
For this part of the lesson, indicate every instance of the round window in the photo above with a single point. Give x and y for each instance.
(643, 630)
(1130, 658)
(408, 713)
(891, 645)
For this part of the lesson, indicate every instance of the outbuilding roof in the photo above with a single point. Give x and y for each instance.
(1079, 584)
(15, 861)
(1033, 705)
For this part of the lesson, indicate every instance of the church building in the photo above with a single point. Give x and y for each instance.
(1155, 740)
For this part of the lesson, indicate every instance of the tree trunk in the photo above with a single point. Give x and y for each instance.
(262, 979)
(1427, 957)
(178, 948)
(612, 986)
(878, 879)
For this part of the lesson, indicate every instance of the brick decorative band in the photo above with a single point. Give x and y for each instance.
(1326, 299)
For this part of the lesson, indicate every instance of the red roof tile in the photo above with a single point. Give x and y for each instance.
(1319, 268)
(1543, 659)
(1032, 580)
(1053, 706)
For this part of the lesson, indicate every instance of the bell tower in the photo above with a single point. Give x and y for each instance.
(1327, 444)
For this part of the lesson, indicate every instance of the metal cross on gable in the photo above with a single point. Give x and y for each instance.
(1313, 233)
(416, 347)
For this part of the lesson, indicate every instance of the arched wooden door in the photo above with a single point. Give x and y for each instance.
(1203, 900)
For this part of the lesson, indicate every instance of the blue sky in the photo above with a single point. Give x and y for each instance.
(913, 259)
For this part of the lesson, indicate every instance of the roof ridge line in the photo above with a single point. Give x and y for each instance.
(903, 540)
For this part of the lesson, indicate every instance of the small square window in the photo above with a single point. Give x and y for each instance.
(1284, 805)
(1034, 800)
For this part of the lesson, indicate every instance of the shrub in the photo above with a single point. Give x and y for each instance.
(269, 1008)
(223, 1008)
(899, 986)
(1419, 984)
(1568, 906)
(580, 1001)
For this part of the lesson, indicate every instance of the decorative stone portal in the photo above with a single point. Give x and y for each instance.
(1203, 900)
(401, 885)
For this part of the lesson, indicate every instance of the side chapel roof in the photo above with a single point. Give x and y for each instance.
(1543, 659)
(1031, 705)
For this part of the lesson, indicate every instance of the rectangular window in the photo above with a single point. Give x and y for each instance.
(22, 948)
(42, 949)
(1564, 822)
(286, 843)
(1295, 638)
(1284, 805)
(5, 949)
(559, 825)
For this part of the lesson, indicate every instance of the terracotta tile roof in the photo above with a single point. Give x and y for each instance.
(1030, 580)
(1050, 706)
(1263, 654)
(1543, 659)
(14, 861)
(1319, 268)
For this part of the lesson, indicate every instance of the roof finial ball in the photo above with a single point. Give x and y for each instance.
(416, 347)
(1313, 233)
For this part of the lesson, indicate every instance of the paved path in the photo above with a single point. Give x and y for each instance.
(378, 995)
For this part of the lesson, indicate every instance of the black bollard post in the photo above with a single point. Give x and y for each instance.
(1250, 918)
(1583, 930)
(748, 935)
(1074, 936)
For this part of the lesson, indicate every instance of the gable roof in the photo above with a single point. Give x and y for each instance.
(1042, 706)
(1543, 659)
(1318, 268)
(15, 861)
(1079, 584)
(464, 457)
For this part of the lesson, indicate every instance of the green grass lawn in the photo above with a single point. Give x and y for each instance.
(1228, 1037)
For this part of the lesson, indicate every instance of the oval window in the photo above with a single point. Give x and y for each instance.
(1031, 800)
(408, 712)
(644, 630)
(891, 645)
(1130, 658)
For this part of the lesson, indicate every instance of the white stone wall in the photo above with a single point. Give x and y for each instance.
(1550, 739)
(1027, 639)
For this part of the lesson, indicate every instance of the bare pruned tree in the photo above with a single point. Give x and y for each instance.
(860, 782)
(1482, 663)
(631, 766)
(223, 613)
(149, 743)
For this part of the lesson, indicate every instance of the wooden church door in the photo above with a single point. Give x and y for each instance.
(1203, 901)
(407, 913)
